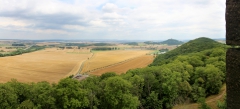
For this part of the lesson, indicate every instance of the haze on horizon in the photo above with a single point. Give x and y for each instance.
(112, 19)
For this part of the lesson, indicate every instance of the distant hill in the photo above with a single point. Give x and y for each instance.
(197, 45)
(168, 42)
(172, 42)
(151, 42)
(131, 43)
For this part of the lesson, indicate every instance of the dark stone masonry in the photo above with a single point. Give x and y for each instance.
(233, 78)
(232, 17)
(233, 22)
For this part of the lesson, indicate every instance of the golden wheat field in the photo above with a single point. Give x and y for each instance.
(46, 65)
(107, 58)
(138, 62)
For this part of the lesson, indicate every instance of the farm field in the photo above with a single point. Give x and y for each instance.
(46, 65)
(107, 58)
(138, 62)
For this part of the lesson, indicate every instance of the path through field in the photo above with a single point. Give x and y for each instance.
(46, 65)
(211, 101)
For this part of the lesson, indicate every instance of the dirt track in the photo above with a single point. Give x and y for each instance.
(46, 65)
(211, 101)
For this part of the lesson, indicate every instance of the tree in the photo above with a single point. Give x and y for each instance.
(117, 94)
(42, 95)
(153, 101)
(92, 85)
(8, 99)
(214, 79)
(70, 95)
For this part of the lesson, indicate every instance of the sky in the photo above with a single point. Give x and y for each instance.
(112, 19)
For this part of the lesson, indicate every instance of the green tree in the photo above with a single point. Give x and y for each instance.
(42, 95)
(117, 94)
(92, 85)
(69, 94)
(153, 101)
(8, 98)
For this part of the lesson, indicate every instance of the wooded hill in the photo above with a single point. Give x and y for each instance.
(167, 42)
(190, 73)
(172, 42)
(192, 46)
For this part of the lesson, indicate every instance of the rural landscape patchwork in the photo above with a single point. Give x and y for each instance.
(166, 74)
(119, 54)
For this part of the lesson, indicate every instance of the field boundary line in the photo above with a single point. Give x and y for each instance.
(114, 64)
(82, 65)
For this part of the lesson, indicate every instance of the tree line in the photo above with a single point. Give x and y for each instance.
(22, 51)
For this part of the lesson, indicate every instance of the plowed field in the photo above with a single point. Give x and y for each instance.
(108, 58)
(47, 65)
(138, 62)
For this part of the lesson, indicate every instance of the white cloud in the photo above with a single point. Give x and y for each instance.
(109, 7)
(127, 19)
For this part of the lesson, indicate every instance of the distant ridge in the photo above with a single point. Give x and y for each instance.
(172, 42)
(168, 42)
(196, 45)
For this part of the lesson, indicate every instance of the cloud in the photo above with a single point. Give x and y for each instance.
(109, 7)
(126, 19)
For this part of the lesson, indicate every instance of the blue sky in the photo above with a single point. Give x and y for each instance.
(112, 19)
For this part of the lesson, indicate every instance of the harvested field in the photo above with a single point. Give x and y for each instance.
(82, 50)
(7, 50)
(47, 43)
(138, 62)
(46, 65)
(107, 58)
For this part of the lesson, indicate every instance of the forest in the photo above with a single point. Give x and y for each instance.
(190, 72)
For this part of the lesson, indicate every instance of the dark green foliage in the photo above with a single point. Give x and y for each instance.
(107, 75)
(102, 48)
(18, 44)
(164, 50)
(87, 44)
(117, 94)
(70, 95)
(131, 43)
(168, 42)
(22, 51)
(192, 46)
(77, 44)
(150, 42)
(101, 44)
(8, 99)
